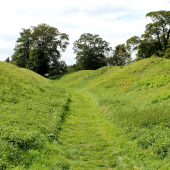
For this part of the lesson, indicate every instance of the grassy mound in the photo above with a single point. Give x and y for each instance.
(31, 111)
(136, 98)
(141, 88)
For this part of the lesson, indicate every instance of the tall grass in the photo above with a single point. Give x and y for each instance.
(136, 98)
(31, 112)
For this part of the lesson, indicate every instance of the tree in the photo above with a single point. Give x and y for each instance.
(155, 38)
(38, 62)
(160, 28)
(120, 56)
(7, 60)
(39, 48)
(89, 51)
(145, 48)
(72, 68)
(22, 48)
(167, 52)
(57, 67)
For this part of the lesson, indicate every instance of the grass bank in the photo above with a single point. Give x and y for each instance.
(136, 99)
(31, 112)
(114, 118)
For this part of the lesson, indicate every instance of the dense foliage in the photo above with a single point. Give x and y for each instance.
(112, 113)
(38, 49)
(155, 38)
(89, 51)
(167, 52)
(120, 56)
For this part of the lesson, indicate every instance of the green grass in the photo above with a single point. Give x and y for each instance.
(110, 118)
(85, 139)
(136, 99)
(31, 112)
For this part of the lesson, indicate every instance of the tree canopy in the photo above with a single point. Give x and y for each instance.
(39, 49)
(155, 38)
(89, 51)
(167, 52)
(120, 56)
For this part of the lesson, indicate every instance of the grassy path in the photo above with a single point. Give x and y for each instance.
(88, 140)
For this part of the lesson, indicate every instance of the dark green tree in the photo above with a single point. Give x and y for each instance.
(22, 48)
(167, 52)
(37, 61)
(39, 48)
(72, 68)
(160, 28)
(120, 56)
(155, 38)
(58, 67)
(145, 48)
(7, 60)
(89, 51)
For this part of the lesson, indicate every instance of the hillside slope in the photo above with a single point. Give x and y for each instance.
(140, 86)
(117, 118)
(135, 98)
(31, 110)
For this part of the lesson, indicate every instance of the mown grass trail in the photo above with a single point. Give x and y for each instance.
(88, 140)
(136, 100)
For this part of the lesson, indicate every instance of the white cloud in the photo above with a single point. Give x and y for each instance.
(114, 21)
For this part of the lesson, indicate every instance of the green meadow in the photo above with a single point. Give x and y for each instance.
(31, 111)
(110, 118)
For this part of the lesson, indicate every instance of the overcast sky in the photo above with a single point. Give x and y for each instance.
(113, 20)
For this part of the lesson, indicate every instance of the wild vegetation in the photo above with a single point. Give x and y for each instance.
(110, 118)
(135, 99)
(89, 51)
(38, 49)
(115, 117)
(31, 111)
(155, 38)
